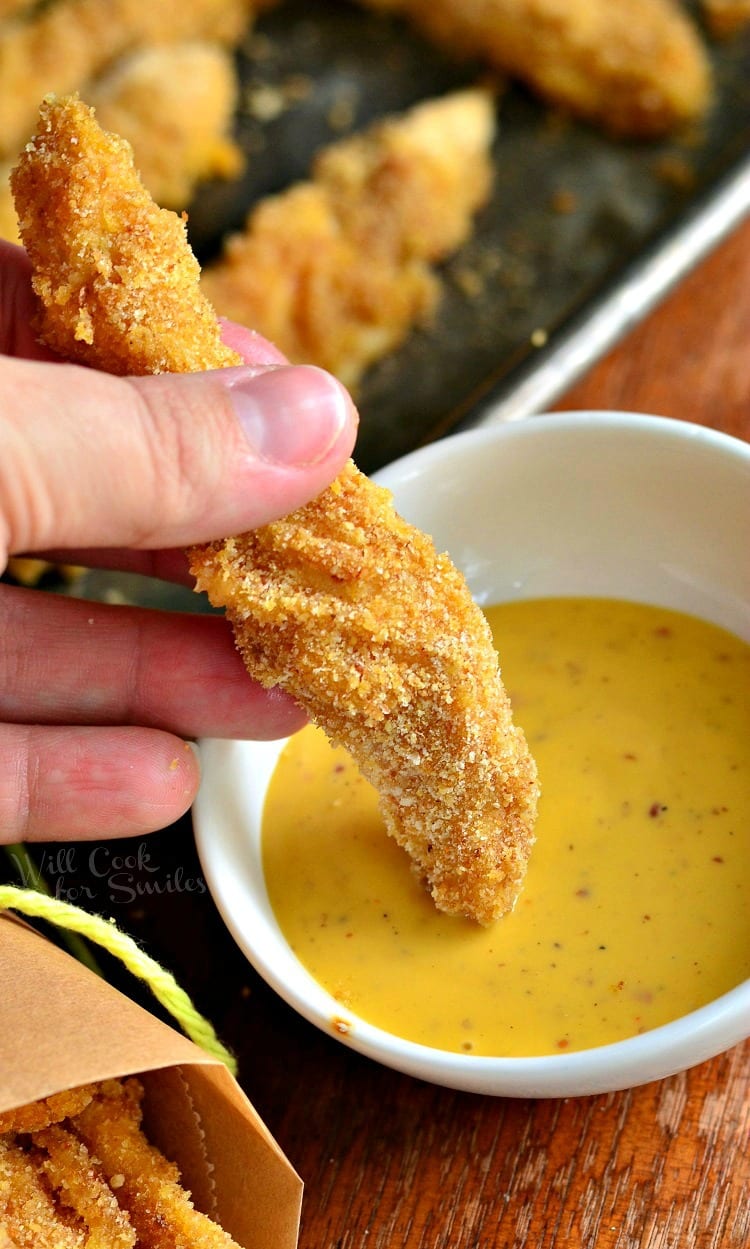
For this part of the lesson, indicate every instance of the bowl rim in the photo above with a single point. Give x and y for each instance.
(671, 1047)
(574, 418)
(659, 1052)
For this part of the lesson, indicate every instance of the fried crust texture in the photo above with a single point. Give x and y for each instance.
(117, 280)
(40, 1114)
(354, 612)
(91, 1179)
(146, 1183)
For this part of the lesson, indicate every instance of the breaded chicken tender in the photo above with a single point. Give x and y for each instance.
(637, 67)
(336, 271)
(69, 42)
(116, 278)
(147, 1185)
(353, 612)
(40, 1114)
(70, 1171)
(90, 1179)
(29, 1215)
(343, 604)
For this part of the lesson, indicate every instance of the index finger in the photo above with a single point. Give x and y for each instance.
(18, 306)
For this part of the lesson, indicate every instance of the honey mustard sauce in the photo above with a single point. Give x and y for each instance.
(636, 908)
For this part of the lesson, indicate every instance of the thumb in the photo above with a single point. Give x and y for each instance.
(95, 460)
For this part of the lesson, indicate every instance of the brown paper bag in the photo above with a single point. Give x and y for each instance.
(60, 1026)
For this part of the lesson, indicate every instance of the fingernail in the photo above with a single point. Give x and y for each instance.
(292, 414)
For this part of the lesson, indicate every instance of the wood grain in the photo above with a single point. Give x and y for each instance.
(657, 1167)
(691, 358)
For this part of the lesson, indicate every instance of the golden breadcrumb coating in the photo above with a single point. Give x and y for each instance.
(67, 1166)
(40, 1114)
(111, 255)
(342, 603)
(147, 1185)
(175, 105)
(635, 66)
(336, 271)
(353, 612)
(94, 1181)
(68, 42)
(29, 1214)
(299, 281)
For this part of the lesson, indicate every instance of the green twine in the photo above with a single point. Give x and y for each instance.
(32, 878)
(105, 933)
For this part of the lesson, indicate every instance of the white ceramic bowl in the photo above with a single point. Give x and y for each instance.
(593, 503)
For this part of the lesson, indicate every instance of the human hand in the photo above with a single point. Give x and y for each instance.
(96, 701)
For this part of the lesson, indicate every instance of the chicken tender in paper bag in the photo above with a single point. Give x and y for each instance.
(64, 1028)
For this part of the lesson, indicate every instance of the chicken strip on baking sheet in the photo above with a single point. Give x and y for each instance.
(69, 42)
(175, 105)
(342, 603)
(337, 270)
(637, 67)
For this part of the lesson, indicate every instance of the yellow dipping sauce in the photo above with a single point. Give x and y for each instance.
(636, 908)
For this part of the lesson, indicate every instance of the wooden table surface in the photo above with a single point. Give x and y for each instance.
(390, 1162)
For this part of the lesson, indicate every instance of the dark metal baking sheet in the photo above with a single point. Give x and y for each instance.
(581, 234)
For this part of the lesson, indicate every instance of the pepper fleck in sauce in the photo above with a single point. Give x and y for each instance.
(636, 908)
